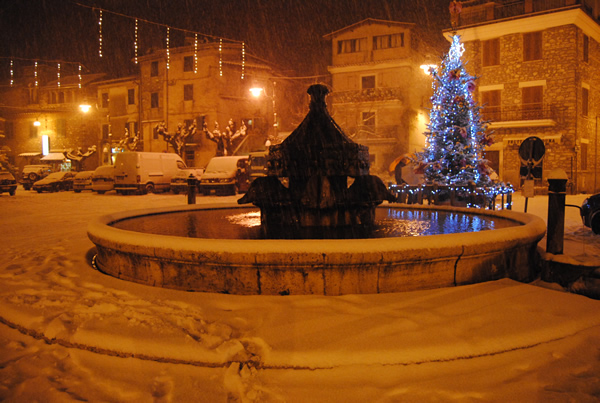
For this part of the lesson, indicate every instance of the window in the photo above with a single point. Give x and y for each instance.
(188, 63)
(532, 46)
(532, 102)
(53, 98)
(491, 52)
(491, 102)
(33, 131)
(9, 130)
(105, 131)
(586, 48)
(154, 100)
(188, 92)
(131, 96)
(104, 100)
(352, 45)
(61, 97)
(61, 128)
(584, 156)
(388, 41)
(155, 133)
(367, 82)
(585, 94)
(368, 119)
(153, 69)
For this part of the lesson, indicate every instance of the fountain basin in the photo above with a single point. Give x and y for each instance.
(315, 266)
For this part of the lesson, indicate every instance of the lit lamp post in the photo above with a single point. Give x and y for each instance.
(85, 108)
(257, 92)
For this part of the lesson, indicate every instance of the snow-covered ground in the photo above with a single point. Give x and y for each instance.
(70, 333)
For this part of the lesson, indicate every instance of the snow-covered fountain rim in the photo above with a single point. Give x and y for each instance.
(529, 228)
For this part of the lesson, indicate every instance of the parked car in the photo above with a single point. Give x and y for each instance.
(54, 182)
(145, 172)
(82, 181)
(225, 175)
(33, 173)
(257, 165)
(103, 179)
(8, 183)
(590, 213)
(179, 180)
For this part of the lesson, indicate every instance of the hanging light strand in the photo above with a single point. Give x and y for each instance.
(100, 35)
(135, 45)
(195, 53)
(12, 73)
(220, 57)
(79, 75)
(35, 73)
(168, 51)
(58, 74)
(243, 59)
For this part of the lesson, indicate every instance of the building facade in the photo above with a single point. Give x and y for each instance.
(41, 119)
(380, 92)
(538, 63)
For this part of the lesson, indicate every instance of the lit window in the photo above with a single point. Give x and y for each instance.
(352, 45)
(388, 41)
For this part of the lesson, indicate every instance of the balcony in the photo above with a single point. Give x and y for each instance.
(523, 116)
(371, 134)
(369, 95)
(481, 11)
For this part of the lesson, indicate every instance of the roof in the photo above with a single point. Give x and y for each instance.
(53, 157)
(368, 21)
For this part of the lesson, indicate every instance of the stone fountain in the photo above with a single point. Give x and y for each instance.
(318, 180)
(316, 161)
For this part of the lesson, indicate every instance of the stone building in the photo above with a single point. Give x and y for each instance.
(380, 93)
(538, 63)
(40, 116)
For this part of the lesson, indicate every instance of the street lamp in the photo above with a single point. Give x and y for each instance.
(85, 108)
(257, 92)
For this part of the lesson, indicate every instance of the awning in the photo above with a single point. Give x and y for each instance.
(30, 154)
(53, 157)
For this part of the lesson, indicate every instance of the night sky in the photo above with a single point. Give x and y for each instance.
(288, 33)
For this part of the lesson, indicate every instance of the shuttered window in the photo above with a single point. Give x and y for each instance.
(532, 46)
(491, 52)
(491, 102)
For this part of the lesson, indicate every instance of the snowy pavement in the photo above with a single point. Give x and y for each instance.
(70, 333)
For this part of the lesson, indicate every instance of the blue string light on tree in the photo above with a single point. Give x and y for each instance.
(456, 136)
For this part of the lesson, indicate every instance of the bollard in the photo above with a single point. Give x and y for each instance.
(191, 182)
(557, 191)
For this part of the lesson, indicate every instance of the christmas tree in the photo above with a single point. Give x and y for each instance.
(456, 136)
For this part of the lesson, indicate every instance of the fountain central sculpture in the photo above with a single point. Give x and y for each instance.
(317, 160)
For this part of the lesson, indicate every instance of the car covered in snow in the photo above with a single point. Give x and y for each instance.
(54, 182)
(590, 213)
(82, 181)
(103, 179)
(179, 182)
(225, 176)
(33, 173)
(8, 183)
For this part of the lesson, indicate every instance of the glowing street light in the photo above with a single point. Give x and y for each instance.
(258, 92)
(85, 108)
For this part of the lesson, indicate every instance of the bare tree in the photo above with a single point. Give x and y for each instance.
(178, 139)
(226, 139)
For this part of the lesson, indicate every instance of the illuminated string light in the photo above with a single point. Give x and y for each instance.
(195, 53)
(100, 35)
(12, 73)
(79, 69)
(35, 73)
(220, 57)
(168, 51)
(135, 44)
(58, 74)
(243, 59)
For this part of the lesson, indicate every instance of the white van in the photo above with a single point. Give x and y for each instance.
(103, 179)
(143, 172)
(225, 176)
